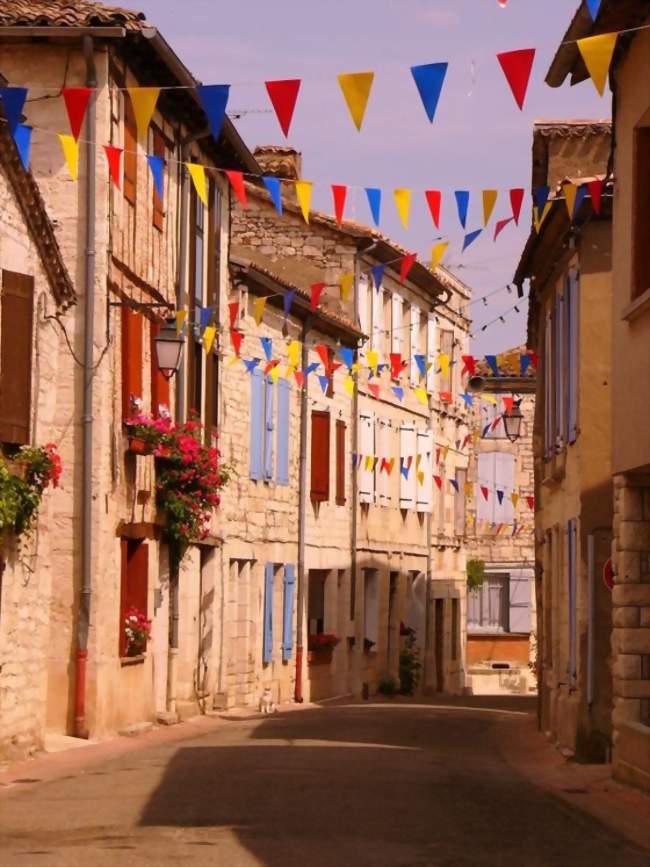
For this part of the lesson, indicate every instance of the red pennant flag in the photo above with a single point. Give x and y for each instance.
(500, 226)
(237, 181)
(495, 423)
(283, 96)
(316, 292)
(236, 338)
(409, 461)
(445, 396)
(76, 103)
(465, 441)
(396, 364)
(438, 481)
(114, 157)
(484, 491)
(516, 201)
(508, 402)
(469, 365)
(324, 355)
(517, 66)
(534, 359)
(531, 502)
(269, 367)
(233, 307)
(595, 191)
(339, 192)
(300, 378)
(434, 198)
(384, 465)
(407, 264)
(374, 390)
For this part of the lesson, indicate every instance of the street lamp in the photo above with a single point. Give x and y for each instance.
(168, 348)
(512, 423)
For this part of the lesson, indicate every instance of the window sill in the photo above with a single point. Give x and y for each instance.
(638, 307)
(125, 661)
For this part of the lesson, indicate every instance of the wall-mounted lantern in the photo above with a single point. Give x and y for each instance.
(169, 346)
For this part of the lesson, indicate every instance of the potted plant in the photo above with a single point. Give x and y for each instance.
(23, 480)
(320, 647)
(137, 630)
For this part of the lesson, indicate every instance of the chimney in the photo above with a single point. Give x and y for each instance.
(279, 161)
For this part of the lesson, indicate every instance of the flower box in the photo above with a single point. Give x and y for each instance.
(17, 469)
(163, 452)
(138, 446)
(323, 656)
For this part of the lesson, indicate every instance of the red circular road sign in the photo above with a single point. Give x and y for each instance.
(608, 574)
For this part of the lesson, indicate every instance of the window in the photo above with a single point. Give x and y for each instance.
(340, 462)
(487, 605)
(408, 481)
(158, 211)
(267, 634)
(16, 357)
(134, 585)
(490, 412)
(641, 216)
(269, 460)
(385, 453)
(572, 620)
(561, 366)
(460, 504)
(366, 452)
(549, 369)
(320, 456)
(496, 472)
(132, 360)
(130, 152)
(159, 383)
(316, 601)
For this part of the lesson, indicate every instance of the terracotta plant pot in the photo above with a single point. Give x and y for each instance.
(17, 469)
(164, 452)
(138, 446)
(323, 656)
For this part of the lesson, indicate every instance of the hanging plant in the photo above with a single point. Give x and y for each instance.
(475, 573)
(23, 479)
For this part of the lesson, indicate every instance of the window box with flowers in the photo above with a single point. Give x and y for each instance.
(23, 479)
(320, 648)
(137, 631)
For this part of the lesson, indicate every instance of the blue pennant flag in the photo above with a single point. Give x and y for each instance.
(205, 314)
(524, 364)
(470, 238)
(354, 459)
(347, 355)
(214, 99)
(468, 398)
(594, 7)
(382, 367)
(398, 392)
(492, 361)
(581, 192)
(429, 79)
(156, 165)
(374, 201)
(324, 383)
(500, 496)
(462, 203)
(23, 140)
(421, 361)
(274, 189)
(541, 195)
(486, 430)
(288, 301)
(404, 470)
(311, 367)
(454, 484)
(13, 100)
(267, 346)
(378, 275)
(251, 363)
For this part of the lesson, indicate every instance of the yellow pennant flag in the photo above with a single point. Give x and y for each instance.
(288, 373)
(437, 253)
(476, 436)
(489, 398)
(181, 316)
(418, 461)
(443, 363)
(258, 308)
(597, 53)
(348, 383)
(421, 394)
(143, 100)
(421, 477)
(370, 462)
(536, 219)
(356, 90)
(70, 148)
(356, 367)
(445, 452)
(303, 192)
(570, 193)
(514, 496)
(275, 373)
(489, 201)
(197, 173)
(403, 204)
(293, 353)
(233, 361)
(346, 286)
(469, 489)
(208, 337)
(372, 358)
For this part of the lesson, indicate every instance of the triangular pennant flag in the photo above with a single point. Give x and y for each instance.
(283, 96)
(524, 364)
(76, 103)
(421, 361)
(312, 367)
(250, 364)
(597, 53)
(214, 99)
(372, 357)
(143, 100)
(299, 376)
(489, 398)
(114, 157)
(421, 394)
(570, 192)
(303, 193)
(273, 187)
(398, 392)
(517, 66)
(258, 308)
(492, 361)
(443, 361)
(429, 80)
(434, 200)
(530, 502)
(485, 492)
(533, 358)
(23, 141)
(316, 290)
(71, 153)
(580, 197)
(514, 497)
(13, 101)
(396, 364)
(273, 363)
(348, 384)
(469, 489)
(390, 466)
(469, 365)
(500, 226)
(181, 316)
(275, 373)
(489, 201)
(339, 194)
(593, 6)
(204, 315)
(347, 355)
(508, 403)
(420, 477)
(233, 311)
(595, 191)
(407, 263)
(516, 201)
(267, 346)
(438, 481)
(288, 301)
(377, 275)
(500, 497)
(468, 398)
(470, 238)
(454, 485)
(156, 164)
(462, 204)
(324, 383)
(197, 173)
(437, 254)
(403, 204)
(540, 195)
(347, 281)
(324, 355)
(537, 220)
(237, 182)
(356, 88)
(374, 202)
(374, 390)
(208, 339)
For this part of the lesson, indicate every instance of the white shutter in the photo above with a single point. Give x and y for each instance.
(397, 332)
(383, 453)
(377, 318)
(424, 492)
(407, 479)
(431, 353)
(519, 594)
(486, 474)
(415, 344)
(366, 450)
(504, 480)
(363, 305)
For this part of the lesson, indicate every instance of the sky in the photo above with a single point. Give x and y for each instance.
(479, 138)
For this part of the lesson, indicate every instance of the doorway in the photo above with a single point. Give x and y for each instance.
(440, 644)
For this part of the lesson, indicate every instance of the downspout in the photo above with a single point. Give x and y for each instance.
(591, 565)
(302, 509)
(83, 617)
(428, 610)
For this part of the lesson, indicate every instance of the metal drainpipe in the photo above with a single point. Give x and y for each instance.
(83, 616)
(302, 508)
(428, 608)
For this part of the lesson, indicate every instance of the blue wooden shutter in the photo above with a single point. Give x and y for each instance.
(572, 624)
(284, 408)
(267, 648)
(268, 431)
(560, 373)
(287, 621)
(573, 337)
(257, 432)
(519, 601)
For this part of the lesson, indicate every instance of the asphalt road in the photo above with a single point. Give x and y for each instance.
(362, 785)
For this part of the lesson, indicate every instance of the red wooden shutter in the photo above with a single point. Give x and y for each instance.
(159, 383)
(130, 152)
(134, 583)
(320, 456)
(340, 463)
(158, 211)
(131, 359)
(16, 357)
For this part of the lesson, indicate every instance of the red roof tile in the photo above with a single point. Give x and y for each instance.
(67, 13)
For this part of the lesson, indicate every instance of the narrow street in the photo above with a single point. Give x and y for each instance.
(365, 784)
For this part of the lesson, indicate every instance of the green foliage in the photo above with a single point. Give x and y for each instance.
(21, 494)
(409, 665)
(475, 573)
(387, 686)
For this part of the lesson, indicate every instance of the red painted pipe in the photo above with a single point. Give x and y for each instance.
(297, 695)
(80, 728)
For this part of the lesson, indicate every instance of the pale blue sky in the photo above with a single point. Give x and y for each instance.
(478, 140)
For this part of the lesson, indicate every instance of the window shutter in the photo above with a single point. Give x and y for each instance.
(473, 609)
(414, 331)
(284, 409)
(460, 504)
(486, 476)
(560, 373)
(159, 383)
(407, 481)
(258, 387)
(548, 388)
(267, 645)
(320, 456)
(16, 357)
(131, 359)
(130, 152)
(269, 427)
(363, 306)
(384, 454)
(519, 601)
(340, 462)
(573, 306)
(431, 353)
(134, 581)
(572, 662)
(287, 620)
(366, 450)
(397, 334)
(424, 492)
(504, 480)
